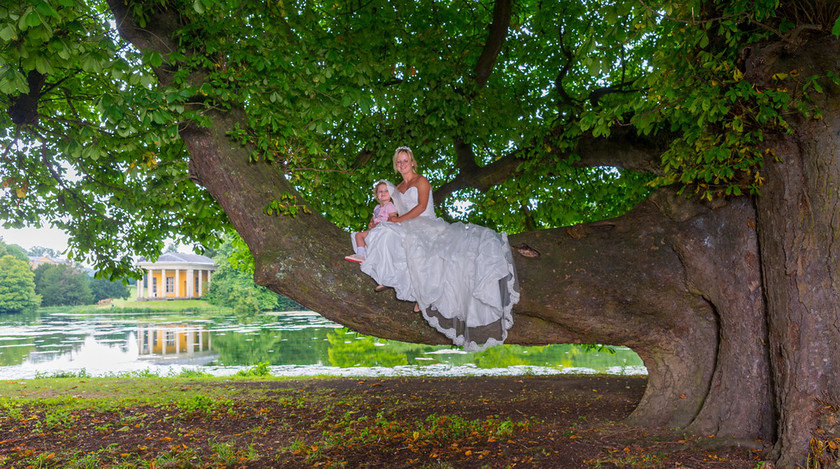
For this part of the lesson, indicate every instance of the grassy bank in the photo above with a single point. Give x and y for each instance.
(134, 306)
(260, 421)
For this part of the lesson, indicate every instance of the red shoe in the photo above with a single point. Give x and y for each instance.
(354, 258)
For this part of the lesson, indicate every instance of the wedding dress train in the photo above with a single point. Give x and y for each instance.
(461, 275)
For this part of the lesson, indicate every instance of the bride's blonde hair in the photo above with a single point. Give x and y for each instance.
(410, 154)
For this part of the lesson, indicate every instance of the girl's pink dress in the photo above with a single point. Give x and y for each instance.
(381, 212)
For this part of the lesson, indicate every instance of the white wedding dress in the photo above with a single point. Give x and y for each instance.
(461, 275)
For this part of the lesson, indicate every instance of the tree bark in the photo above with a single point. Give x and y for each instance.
(799, 230)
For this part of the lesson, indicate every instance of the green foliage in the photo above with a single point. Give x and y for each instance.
(64, 374)
(287, 205)
(197, 403)
(62, 284)
(329, 89)
(260, 369)
(17, 286)
(99, 146)
(232, 288)
(695, 90)
(103, 288)
(37, 251)
(13, 250)
(193, 373)
(233, 283)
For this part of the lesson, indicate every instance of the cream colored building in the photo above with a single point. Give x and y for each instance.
(35, 261)
(175, 276)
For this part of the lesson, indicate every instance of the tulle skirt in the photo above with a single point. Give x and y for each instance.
(461, 275)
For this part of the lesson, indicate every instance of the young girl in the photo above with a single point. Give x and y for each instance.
(380, 213)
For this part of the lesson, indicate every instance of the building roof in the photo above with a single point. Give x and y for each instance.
(179, 258)
(47, 258)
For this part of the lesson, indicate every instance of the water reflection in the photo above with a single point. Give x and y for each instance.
(293, 343)
(183, 344)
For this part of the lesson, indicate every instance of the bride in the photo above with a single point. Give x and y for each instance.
(461, 276)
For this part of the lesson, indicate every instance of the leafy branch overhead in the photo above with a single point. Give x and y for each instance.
(503, 103)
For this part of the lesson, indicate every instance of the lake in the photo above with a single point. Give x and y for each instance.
(294, 343)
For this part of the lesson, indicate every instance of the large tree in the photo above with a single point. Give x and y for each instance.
(61, 285)
(716, 121)
(17, 289)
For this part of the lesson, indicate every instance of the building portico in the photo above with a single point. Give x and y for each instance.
(175, 276)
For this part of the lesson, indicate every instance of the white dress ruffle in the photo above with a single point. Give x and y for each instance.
(461, 275)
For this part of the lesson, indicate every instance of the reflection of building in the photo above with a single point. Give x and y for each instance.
(175, 343)
(175, 276)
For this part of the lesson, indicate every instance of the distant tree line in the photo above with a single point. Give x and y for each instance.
(23, 289)
(64, 284)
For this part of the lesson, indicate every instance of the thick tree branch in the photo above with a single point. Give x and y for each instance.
(495, 39)
(568, 54)
(158, 35)
(362, 158)
(596, 95)
(464, 155)
(23, 109)
(623, 149)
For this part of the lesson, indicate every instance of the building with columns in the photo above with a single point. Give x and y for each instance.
(175, 276)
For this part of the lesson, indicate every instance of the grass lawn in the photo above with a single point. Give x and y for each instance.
(167, 305)
(257, 421)
(133, 306)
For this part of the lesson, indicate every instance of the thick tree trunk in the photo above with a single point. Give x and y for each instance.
(679, 283)
(799, 230)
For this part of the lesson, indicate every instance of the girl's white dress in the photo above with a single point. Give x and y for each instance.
(461, 275)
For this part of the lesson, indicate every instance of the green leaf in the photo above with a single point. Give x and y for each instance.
(32, 19)
(13, 82)
(154, 58)
(8, 32)
(46, 10)
(43, 65)
(836, 29)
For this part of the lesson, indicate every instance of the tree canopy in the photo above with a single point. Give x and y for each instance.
(527, 117)
(13, 250)
(102, 288)
(325, 88)
(497, 117)
(17, 288)
(62, 284)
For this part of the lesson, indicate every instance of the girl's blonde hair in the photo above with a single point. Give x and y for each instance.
(410, 154)
(376, 185)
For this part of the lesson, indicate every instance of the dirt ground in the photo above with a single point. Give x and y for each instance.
(464, 422)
